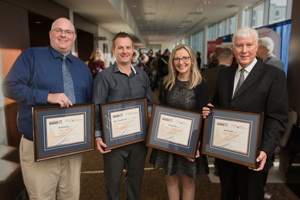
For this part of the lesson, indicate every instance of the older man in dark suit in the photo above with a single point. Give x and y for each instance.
(254, 86)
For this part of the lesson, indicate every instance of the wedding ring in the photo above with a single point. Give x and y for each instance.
(63, 100)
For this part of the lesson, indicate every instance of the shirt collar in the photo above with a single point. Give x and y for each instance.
(117, 69)
(268, 58)
(249, 67)
(56, 54)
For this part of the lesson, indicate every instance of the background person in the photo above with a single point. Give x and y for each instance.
(264, 52)
(96, 65)
(183, 88)
(253, 86)
(45, 76)
(198, 54)
(210, 75)
(162, 67)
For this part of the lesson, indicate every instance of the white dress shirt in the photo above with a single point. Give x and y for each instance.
(246, 73)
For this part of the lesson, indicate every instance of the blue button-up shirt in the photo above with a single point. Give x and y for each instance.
(38, 72)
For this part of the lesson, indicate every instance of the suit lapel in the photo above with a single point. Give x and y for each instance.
(231, 76)
(251, 78)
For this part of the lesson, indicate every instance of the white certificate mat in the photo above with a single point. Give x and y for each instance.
(231, 135)
(65, 130)
(125, 122)
(174, 129)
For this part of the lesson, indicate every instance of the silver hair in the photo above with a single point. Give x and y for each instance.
(266, 42)
(245, 32)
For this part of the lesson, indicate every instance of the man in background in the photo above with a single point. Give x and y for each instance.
(45, 76)
(162, 67)
(264, 52)
(198, 54)
(210, 75)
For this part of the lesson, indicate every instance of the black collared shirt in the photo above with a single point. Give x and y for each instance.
(112, 85)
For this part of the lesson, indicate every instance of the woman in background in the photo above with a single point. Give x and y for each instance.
(184, 88)
(96, 65)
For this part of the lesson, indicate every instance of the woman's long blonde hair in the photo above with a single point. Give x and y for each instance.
(195, 76)
(92, 55)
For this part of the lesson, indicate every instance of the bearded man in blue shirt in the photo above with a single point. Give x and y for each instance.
(38, 78)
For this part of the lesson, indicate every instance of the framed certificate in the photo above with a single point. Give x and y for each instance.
(63, 131)
(233, 136)
(124, 122)
(174, 130)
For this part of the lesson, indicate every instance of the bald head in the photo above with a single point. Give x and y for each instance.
(62, 20)
(62, 36)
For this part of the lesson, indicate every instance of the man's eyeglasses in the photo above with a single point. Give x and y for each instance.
(184, 59)
(67, 32)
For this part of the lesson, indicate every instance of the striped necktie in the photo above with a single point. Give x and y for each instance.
(240, 82)
(68, 81)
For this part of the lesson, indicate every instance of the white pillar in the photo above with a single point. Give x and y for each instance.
(266, 12)
(240, 17)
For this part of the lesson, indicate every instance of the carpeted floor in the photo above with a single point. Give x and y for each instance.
(154, 186)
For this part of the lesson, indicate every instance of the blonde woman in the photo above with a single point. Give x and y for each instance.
(96, 65)
(183, 88)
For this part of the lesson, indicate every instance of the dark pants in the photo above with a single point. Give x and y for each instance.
(130, 157)
(240, 183)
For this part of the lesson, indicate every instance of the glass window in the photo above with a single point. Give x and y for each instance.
(258, 16)
(232, 25)
(277, 11)
(246, 18)
(211, 33)
(220, 29)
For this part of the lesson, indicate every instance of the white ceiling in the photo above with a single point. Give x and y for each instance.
(157, 21)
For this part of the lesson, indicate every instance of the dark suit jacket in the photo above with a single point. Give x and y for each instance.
(211, 76)
(264, 90)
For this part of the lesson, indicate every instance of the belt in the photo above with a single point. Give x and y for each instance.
(27, 138)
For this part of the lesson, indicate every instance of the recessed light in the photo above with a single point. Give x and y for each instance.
(164, 6)
(38, 22)
(134, 6)
(204, 2)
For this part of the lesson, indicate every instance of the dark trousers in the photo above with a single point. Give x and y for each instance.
(130, 157)
(240, 183)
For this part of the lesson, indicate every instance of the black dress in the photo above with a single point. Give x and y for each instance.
(193, 100)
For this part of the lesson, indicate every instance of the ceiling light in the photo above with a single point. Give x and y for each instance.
(134, 6)
(38, 22)
(208, 2)
(164, 6)
(205, 2)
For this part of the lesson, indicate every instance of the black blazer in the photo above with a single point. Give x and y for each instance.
(264, 90)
